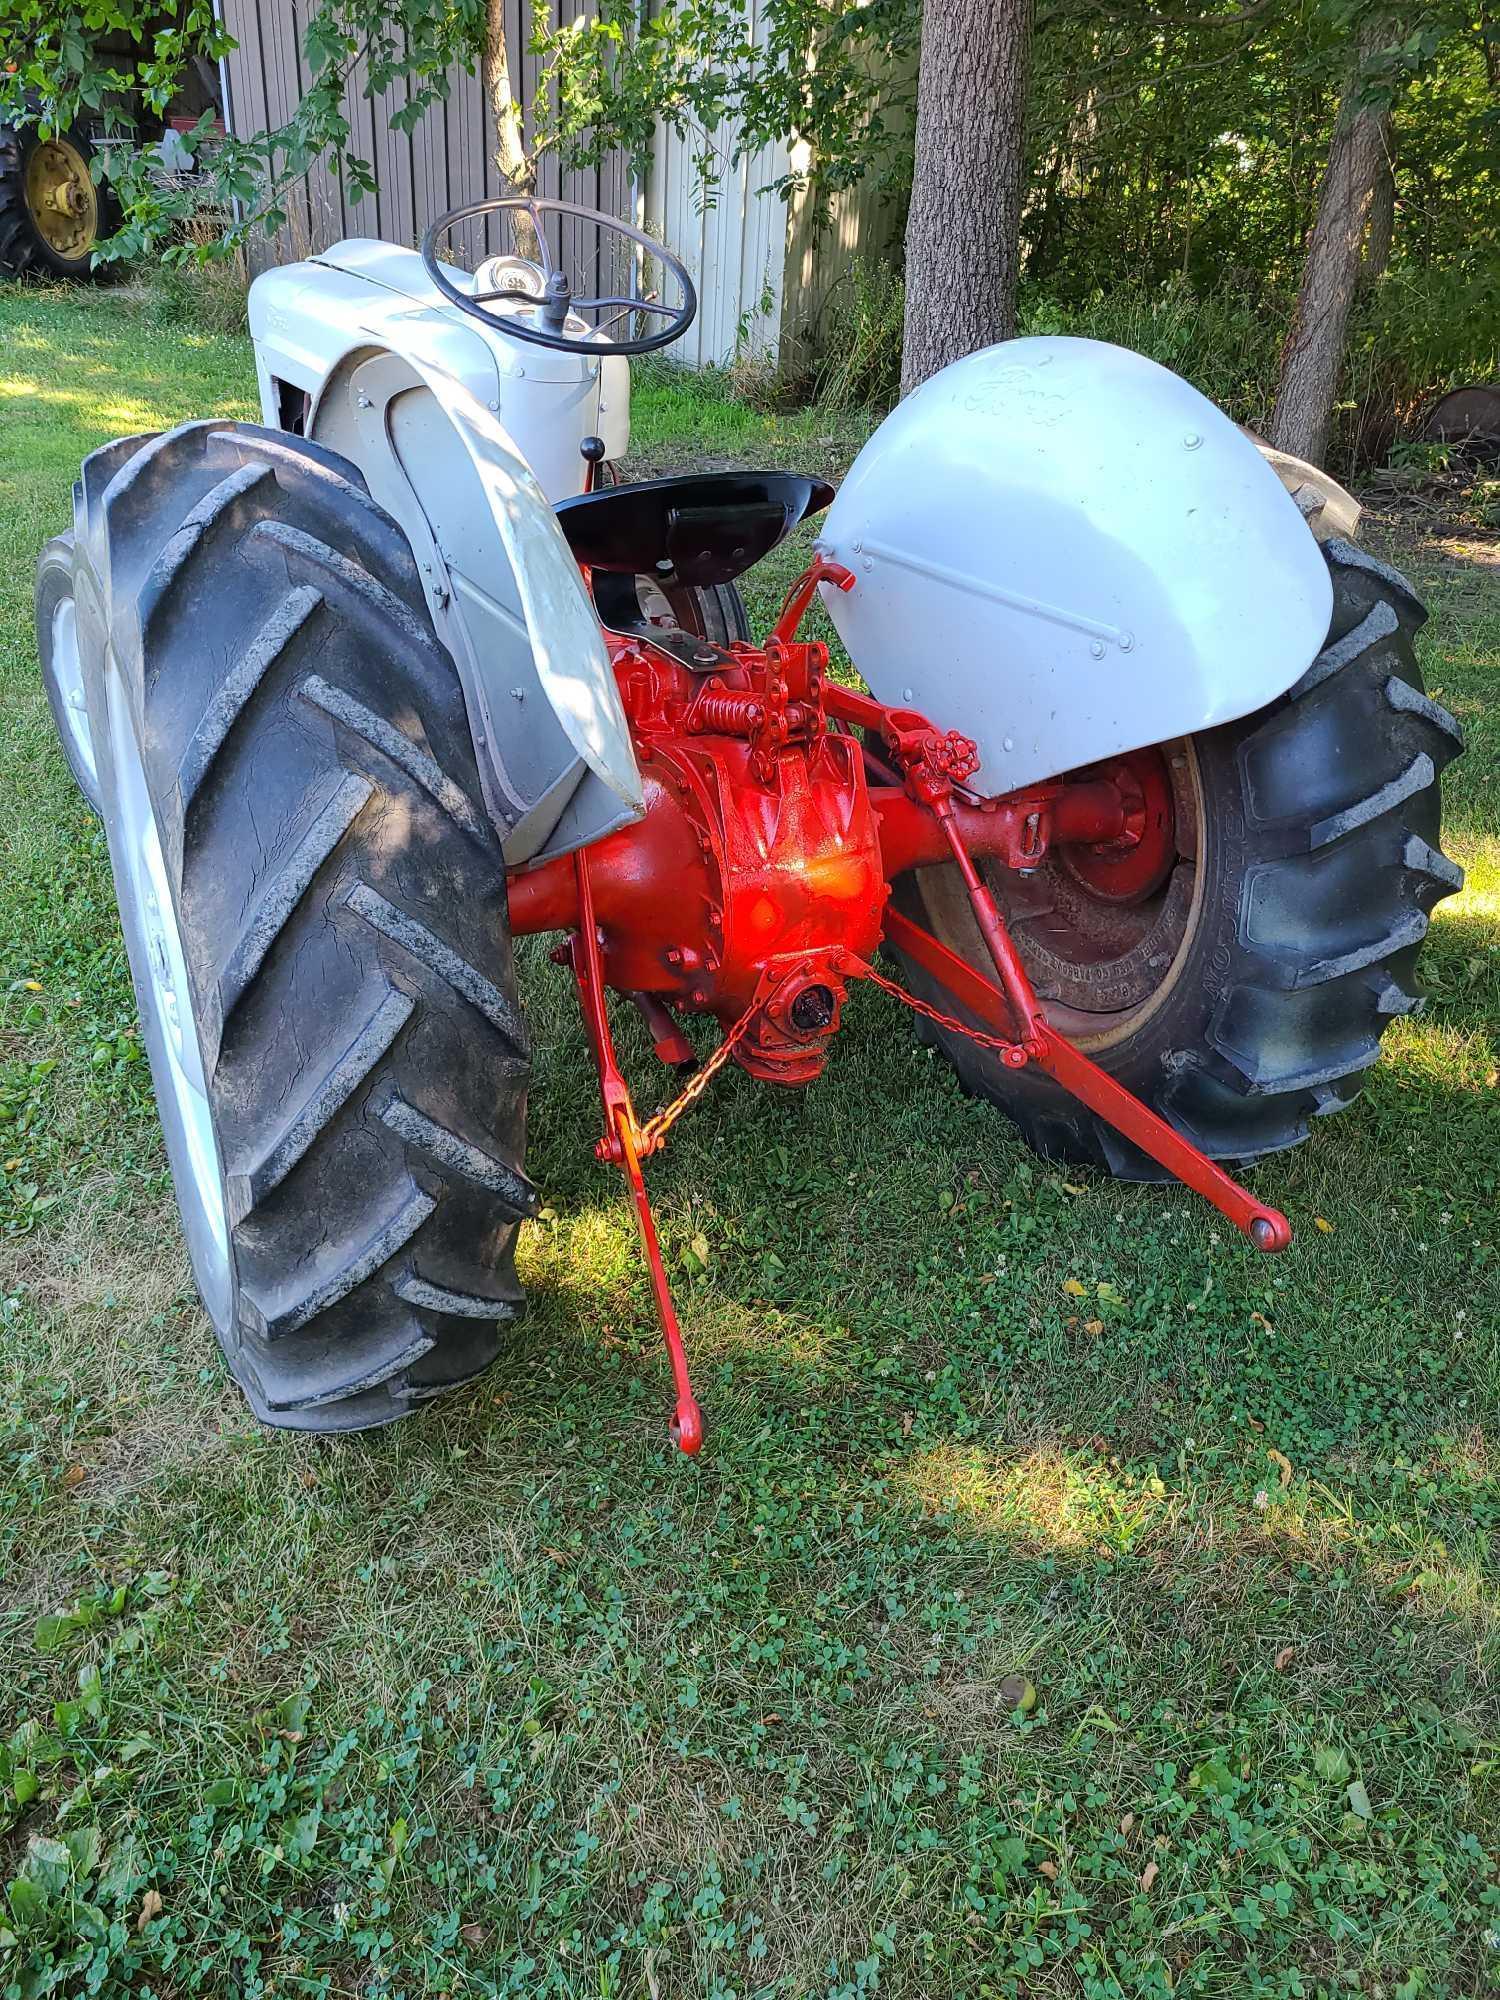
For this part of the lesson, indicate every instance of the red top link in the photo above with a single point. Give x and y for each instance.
(822, 570)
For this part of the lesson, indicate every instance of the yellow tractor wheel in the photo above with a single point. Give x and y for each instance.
(53, 215)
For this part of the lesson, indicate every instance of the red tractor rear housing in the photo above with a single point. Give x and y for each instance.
(780, 806)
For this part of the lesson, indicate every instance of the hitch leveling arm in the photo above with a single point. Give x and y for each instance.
(930, 766)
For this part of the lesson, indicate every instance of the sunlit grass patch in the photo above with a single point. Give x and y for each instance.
(591, 1257)
(1048, 1499)
(1433, 1052)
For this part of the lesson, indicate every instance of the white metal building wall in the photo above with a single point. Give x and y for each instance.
(734, 242)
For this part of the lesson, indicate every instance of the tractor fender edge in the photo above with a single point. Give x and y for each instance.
(505, 592)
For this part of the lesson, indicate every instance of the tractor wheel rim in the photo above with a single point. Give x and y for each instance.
(149, 916)
(67, 672)
(62, 199)
(1164, 953)
(1178, 904)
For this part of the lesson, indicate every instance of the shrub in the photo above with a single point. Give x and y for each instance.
(208, 297)
(1225, 342)
(859, 338)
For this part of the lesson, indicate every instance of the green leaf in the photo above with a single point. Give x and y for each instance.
(59, 1628)
(28, 1901)
(54, 1631)
(83, 1845)
(31, 1744)
(122, 1872)
(48, 1865)
(292, 1714)
(1359, 1800)
(1214, 1775)
(299, 1836)
(1331, 1763)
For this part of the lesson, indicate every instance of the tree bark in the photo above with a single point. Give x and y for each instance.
(510, 149)
(1313, 353)
(963, 229)
(1382, 232)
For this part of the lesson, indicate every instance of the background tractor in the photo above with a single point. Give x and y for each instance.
(56, 203)
(1139, 789)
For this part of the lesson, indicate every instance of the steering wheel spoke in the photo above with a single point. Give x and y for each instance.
(628, 305)
(548, 326)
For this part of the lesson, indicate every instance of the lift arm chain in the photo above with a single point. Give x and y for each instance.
(652, 1136)
(1012, 1054)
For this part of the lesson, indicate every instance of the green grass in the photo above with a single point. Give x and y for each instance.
(510, 1700)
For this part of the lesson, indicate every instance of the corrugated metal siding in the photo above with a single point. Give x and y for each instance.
(764, 269)
(731, 237)
(449, 159)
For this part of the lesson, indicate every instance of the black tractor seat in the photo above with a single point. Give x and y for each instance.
(701, 528)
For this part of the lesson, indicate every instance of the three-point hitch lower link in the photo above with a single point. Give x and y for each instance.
(621, 1144)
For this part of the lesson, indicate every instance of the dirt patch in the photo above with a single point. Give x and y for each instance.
(670, 462)
(1438, 553)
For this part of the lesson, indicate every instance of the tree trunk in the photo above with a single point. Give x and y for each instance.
(1313, 353)
(1382, 211)
(510, 149)
(962, 233)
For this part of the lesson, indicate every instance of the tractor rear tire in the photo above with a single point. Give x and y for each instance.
(37, 239)
(1289, 926)
(315, 912)
(722, 616)
(712, 611)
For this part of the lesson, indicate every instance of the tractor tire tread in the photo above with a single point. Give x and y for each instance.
(224, 705)
(1339, 867)
(722, 611)
(314, 776)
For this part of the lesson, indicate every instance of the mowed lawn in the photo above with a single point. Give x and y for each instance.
(512, 1700)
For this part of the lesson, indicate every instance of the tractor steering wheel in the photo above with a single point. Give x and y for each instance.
(556, 301)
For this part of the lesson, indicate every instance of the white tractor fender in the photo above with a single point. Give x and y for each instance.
(304, 318)
(504, 590)
(1065, 551)
(409, 392)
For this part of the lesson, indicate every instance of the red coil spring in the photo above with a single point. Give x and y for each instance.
(727, 713)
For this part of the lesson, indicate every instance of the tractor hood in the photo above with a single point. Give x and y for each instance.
(1067, 552)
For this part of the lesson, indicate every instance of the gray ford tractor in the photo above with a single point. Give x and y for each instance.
(1137, 792)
